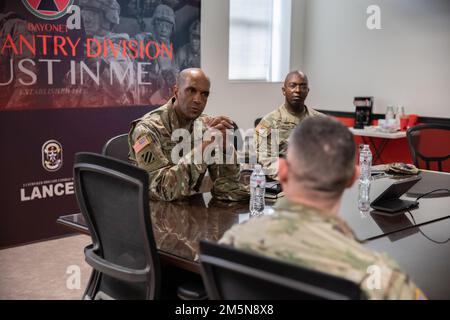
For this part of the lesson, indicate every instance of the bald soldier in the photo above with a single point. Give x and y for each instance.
(151, 145)
(279, 124)
(306, 229)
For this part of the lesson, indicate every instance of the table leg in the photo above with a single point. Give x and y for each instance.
(381, 147)
(377, 150)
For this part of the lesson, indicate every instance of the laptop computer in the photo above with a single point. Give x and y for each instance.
(388, 200)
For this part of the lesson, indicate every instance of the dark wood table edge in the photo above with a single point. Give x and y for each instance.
(166, 258)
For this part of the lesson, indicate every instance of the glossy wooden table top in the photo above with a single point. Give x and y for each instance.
(373, 225)
(423, 253)
(178, 226)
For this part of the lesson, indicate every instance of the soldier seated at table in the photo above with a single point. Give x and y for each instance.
(276, 126)
(306, 229)
(153, 142)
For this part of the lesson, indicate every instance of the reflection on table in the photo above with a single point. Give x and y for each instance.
(178, 226)
(373, 225)
(423, 253)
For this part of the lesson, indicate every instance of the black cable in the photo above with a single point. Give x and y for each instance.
(421, 232)
(425, 194)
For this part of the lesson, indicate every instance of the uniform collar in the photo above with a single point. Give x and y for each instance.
(287, 116)
(174, 119)
(289, 205)
(284, 204)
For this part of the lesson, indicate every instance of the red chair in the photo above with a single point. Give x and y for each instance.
(429, 145)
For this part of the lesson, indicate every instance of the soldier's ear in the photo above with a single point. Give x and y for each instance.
(175, 91)
(283, 89)
(354, 177)
(282, 170)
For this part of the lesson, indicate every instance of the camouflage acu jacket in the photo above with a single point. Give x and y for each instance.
(151, 145)
(275, 128)
(318, 240)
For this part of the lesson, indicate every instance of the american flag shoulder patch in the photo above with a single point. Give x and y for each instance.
(141, 143)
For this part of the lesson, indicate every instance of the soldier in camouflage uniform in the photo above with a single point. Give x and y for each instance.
(278, 125)
(150, 141)
(11, 95)
(188, 56)
(306, 229)
(163, 70)
(163, 23)
(99, 19)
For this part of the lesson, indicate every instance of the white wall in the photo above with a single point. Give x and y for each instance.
(407, 62)
(242, 101)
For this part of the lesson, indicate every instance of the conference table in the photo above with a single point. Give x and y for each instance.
(419, 240)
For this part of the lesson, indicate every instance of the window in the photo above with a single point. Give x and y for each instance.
(259, 43)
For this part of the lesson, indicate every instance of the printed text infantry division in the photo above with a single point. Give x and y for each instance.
(50, 48)
(54, 46)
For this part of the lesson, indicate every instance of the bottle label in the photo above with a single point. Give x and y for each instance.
(258, 183)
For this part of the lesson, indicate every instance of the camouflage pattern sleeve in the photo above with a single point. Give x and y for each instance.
(303, 238)
(315, 113)
(393, 285)
(263, 146)
(226, 178)
(167, 181)
(228, 237)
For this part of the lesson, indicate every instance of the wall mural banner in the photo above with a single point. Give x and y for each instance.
(94, 53)
(74, 73)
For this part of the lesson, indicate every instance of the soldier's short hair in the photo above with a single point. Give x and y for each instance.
(183, 75)
(295, 72)
(324, 153)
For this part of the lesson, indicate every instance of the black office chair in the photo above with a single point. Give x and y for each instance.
(237, 137)
(428, 144)
(229, 273)
(113, 198)
(117, 147)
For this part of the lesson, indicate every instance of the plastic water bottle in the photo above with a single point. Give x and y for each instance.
(364, 197)
(257, 191)
(365, 177)
(389, 113)
(365, 163)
